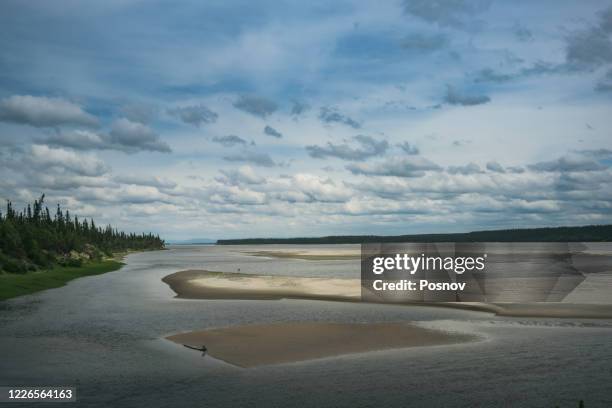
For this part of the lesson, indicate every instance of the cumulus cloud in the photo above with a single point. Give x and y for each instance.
(455, 97)
(229, 140)
(126, 136)
(408, 148)
(424, 43)
(44, 157)
(414, 166)
(195, 115)
(470, 168)
(242, 175)
(270, 131)
(367, 147)
(495, 167)
(450, 13)
(255, 158)
(237, 195)
(42, 111)
(78, 139)
(568, 163)
(150, 181)
(311, 188)
(133, 137)
(256, 105)
(331, 115)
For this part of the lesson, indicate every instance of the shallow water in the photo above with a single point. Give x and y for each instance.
(103, 334)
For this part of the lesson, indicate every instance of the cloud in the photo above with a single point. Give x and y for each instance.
(445, 13)
(605, 83)
(311, 188)
(367, 147)
(242, 175)
(125, 136)
(408, 148)
(454, 97)
(150, 181)
(133, 136)
(44, 158)
(413, 166)
(331, 115)
(256, 105)
(590, 47)
(255, 158)
(229, 140)
(522, 33)
(424, 43)
(568, 163)
(78, 139)
(298, 108)
(237, 195)
(605, 19)
(489, 75)
(194, 115)
(599, 154)
(139, 112)
(470, 168)
(270, 131)
(40, 111)
(495, 167)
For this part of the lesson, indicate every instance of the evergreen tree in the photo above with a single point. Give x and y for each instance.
(31, 239)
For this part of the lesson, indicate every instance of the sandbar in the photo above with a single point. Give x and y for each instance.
(202, 284)
(267, 344)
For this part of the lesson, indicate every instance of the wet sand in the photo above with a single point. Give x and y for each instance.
(258, 345)
(202, 284)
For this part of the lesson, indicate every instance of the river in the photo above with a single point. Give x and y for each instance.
(105, 336)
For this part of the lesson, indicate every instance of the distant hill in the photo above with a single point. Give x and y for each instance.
(589, 233)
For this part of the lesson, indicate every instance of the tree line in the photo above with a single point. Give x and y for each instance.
(589, 233)
(33, 238)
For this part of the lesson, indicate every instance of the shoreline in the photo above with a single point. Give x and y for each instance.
(13, 285)
(203, 284)
(251, 346)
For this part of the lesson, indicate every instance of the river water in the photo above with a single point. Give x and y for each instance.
(104, 335)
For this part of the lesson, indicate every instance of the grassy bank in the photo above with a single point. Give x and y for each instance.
(13, 285)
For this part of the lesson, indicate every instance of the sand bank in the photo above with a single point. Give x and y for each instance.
(201, 284)
(257, 345)
(310, 255)
(196, 284)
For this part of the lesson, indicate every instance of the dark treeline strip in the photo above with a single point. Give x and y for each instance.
(33, 239)
(590, 233)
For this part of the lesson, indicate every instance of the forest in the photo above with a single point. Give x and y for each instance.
(33, 239)
(589, 233)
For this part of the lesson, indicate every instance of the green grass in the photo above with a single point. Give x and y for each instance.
(13, 285)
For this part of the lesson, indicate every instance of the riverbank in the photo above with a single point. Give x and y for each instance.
(202, 284)
(13, 285)
(259, 345)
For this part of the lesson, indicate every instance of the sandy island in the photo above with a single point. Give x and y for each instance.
(198, 284)
(201, 284)
(257, 345)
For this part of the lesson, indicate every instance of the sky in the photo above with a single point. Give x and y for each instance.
(228, 119)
